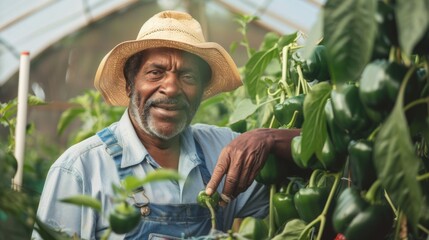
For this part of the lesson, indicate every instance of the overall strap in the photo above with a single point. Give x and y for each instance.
(114, 150)
(205, 174)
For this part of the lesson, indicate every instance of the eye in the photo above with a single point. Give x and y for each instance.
(155, 74)
(189, 78)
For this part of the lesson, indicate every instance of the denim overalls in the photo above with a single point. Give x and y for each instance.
(164, 221)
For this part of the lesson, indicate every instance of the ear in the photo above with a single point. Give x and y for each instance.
(128, 90)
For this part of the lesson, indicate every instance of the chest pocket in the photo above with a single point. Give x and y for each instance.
(164, 221)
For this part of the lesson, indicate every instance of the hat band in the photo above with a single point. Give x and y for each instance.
(170, 30)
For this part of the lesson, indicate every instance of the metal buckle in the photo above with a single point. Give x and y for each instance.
(141, 201)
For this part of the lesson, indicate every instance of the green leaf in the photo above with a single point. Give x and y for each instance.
(131, 182)
(67, 117)
(349, 33)
(314, 127)
(292, 230)
(9, 109)
(84, 200)
(286, 40)
(254, 70)
(270, 39)
(412, 20)
(244, 109)
(396, 162)
(34, 101)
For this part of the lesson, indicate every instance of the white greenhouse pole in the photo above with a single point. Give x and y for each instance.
(21, 118)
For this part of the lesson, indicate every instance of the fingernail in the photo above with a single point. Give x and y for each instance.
(209, 191)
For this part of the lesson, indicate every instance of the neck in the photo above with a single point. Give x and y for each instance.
(166, 152)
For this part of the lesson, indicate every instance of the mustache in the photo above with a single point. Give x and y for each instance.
(168, 103)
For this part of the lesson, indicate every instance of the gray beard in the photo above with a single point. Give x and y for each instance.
(147, 124)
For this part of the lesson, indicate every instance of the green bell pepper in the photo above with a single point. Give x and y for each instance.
(283, 112)
(349, 204)
(349, 112)
(338, 136)
(360, 217)
(373, 223)
(379, 85)
(124, 218)
(329, 158)
(363, 173)
(312, 163)
(270, 173)
(284, 206)
(316, 66)
(203, 199)
(310, 201)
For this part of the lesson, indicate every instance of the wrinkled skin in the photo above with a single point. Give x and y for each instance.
(241, 160)
(166, 93)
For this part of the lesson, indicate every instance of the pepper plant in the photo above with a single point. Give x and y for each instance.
(369, 108)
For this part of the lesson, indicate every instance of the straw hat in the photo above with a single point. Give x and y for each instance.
(166, 29)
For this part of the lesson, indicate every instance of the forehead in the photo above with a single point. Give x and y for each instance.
(170, 53)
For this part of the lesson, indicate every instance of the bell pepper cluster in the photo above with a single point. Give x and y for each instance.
(359, 206)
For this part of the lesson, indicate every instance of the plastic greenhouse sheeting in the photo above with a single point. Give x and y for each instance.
(35, 25)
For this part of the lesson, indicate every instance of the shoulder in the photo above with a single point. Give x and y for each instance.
(79, 160)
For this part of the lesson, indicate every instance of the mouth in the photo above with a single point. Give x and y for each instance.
(169, 110)
(170, 107)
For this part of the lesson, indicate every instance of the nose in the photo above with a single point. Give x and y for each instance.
(171, 86)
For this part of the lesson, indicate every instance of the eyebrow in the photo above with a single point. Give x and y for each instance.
(157, 65)
(181, 70)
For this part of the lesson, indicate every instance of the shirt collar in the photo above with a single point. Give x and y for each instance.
(133, 151)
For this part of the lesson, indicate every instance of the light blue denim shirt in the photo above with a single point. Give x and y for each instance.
(86, 168)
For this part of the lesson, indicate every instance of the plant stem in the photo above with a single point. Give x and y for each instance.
(271, 227)
(416, 102)
(370, 195)
(390, 203)
(309, 226)
(322, 217)
(422, 177)
(337, 177)
(302, 81)
(421, 227)
(285, 52)
(212, 213)
(293, 120)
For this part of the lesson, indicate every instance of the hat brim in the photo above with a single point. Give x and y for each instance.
(110, 79)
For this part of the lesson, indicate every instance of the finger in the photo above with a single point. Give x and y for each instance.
(229, 188)
(247, 177)
(219, 171)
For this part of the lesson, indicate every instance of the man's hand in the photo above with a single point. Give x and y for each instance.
(241, 160)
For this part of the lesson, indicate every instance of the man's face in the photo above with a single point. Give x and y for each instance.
(167, 92)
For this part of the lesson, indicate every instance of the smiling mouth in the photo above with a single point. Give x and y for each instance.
(170, 107)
